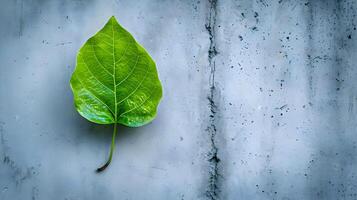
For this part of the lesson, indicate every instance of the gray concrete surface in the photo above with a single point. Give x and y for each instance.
(260, 101)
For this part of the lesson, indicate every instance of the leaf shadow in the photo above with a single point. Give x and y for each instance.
(104, 132)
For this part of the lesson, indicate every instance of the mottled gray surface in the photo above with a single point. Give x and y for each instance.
(260, 101)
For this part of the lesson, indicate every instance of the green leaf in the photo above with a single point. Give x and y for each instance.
(115, 80)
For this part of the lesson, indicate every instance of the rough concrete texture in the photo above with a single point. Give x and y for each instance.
(260, 101)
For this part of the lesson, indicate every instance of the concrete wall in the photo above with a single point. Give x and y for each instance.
(260, 101)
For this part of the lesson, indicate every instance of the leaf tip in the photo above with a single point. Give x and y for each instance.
(112, 18)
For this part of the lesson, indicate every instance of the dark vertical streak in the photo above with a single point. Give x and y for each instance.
(21, 23)
(341, 69)
(4, 147)
(336, 146)
(213, 189)
(310, 19)
(17, 174)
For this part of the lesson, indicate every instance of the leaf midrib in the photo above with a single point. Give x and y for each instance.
(120, 82)
(114, 78)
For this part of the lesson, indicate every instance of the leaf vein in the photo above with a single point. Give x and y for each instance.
(133, 92)
(95, 96)
(104, 34)
(95, 76)
(130, 73)
(95, 55)
(141, 104)
(106, 51)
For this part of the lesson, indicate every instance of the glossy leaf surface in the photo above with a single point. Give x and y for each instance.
(115, 79)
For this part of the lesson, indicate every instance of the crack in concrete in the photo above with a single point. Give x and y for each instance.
(213, 187)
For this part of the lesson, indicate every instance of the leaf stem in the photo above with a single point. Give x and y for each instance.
(112, 147)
